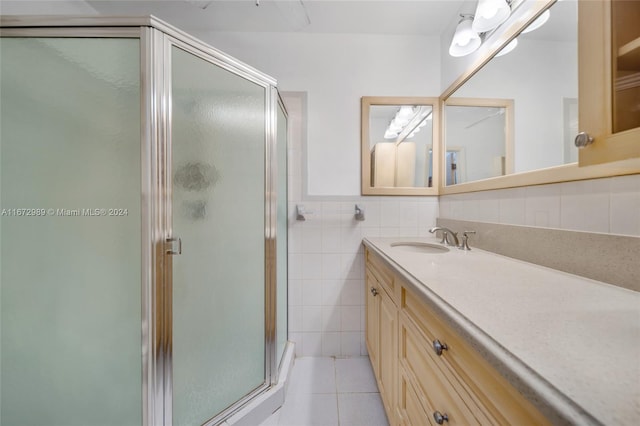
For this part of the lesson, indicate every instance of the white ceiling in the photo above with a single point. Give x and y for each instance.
(414, 17)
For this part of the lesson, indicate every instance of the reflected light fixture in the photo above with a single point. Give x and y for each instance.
(490, 14)
(465, 40)
(407, 122)
(540, 21)
(508, 48)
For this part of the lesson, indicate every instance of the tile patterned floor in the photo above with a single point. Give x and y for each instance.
(331, 392)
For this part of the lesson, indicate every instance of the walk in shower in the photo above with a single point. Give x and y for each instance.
(143, 228)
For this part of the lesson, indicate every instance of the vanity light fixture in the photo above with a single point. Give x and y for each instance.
(489, 14)
(540, 21)
(465, 40)
(508, 48)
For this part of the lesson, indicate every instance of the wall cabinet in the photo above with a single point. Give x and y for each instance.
(426, 373)
(609, 79)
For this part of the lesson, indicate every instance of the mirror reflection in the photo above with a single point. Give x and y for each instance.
(538, 75)
(401, 145)
(397, 145)
(479, 139)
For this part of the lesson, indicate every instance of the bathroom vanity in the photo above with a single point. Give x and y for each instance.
(471, 337)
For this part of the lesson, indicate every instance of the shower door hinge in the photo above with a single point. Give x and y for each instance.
(173, 246)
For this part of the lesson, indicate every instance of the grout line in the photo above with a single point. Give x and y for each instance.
(335, 380)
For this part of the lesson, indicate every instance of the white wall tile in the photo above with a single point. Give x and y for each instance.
(584, 206)
(312, 292)
(352, 293)
(542, 206)
(311, 240)
(350, 343)
(312, 344)
(331, 266)
(331, 292)
(512, 206)
(311, 318)
(389, 212)
(295, 318)
(330, 344)
(351, 239)
(295, 292)
(350, 318)
(312, 266)
(331, 318)
(371, 213)
(408, 214)
(625, 205)
(331, 239)
(352, 266)
(295, 266)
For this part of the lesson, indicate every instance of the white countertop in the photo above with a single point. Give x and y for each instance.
(572, 341)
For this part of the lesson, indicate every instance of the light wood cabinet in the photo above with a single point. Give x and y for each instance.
(426, 373)
(609, 79)
(381, 330)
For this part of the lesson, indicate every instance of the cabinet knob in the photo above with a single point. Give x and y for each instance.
(374, 291)
(438, 347)
(440, 418)
(583, 139)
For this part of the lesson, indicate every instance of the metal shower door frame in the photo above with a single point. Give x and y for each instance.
(156, 39)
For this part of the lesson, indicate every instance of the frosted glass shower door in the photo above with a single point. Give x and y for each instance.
(218, 183)
(70, 229)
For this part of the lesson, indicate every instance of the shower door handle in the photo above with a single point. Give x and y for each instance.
(173, 246)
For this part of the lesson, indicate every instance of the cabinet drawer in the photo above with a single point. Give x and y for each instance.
(381, 272)
(499, 401)
(436, 388)
(410, 411)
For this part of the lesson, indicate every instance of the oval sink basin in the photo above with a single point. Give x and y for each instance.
(417, 247)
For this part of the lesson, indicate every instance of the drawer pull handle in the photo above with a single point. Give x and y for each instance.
(440, 418)
(439, 347)
(374, 291)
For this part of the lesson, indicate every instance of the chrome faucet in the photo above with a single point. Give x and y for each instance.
(445, 235)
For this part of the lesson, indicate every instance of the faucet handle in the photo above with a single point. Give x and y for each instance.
(464, 244)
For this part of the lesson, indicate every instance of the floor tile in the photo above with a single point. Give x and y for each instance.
(361, 409)
(309, 409)
(312, 375)
(355, 375)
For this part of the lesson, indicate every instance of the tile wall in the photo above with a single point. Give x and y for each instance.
(609, 205)
(326, 267)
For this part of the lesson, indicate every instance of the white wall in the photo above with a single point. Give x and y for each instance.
(57, 7)
(337, 70)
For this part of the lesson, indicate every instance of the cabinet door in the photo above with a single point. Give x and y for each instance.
(387, 352)
(372, 289)
(609, 79)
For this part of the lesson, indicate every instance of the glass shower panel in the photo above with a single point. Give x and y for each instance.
(281, 246)
(218, 177)
(71, 231)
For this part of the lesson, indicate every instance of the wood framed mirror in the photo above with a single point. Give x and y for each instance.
(541, 76)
